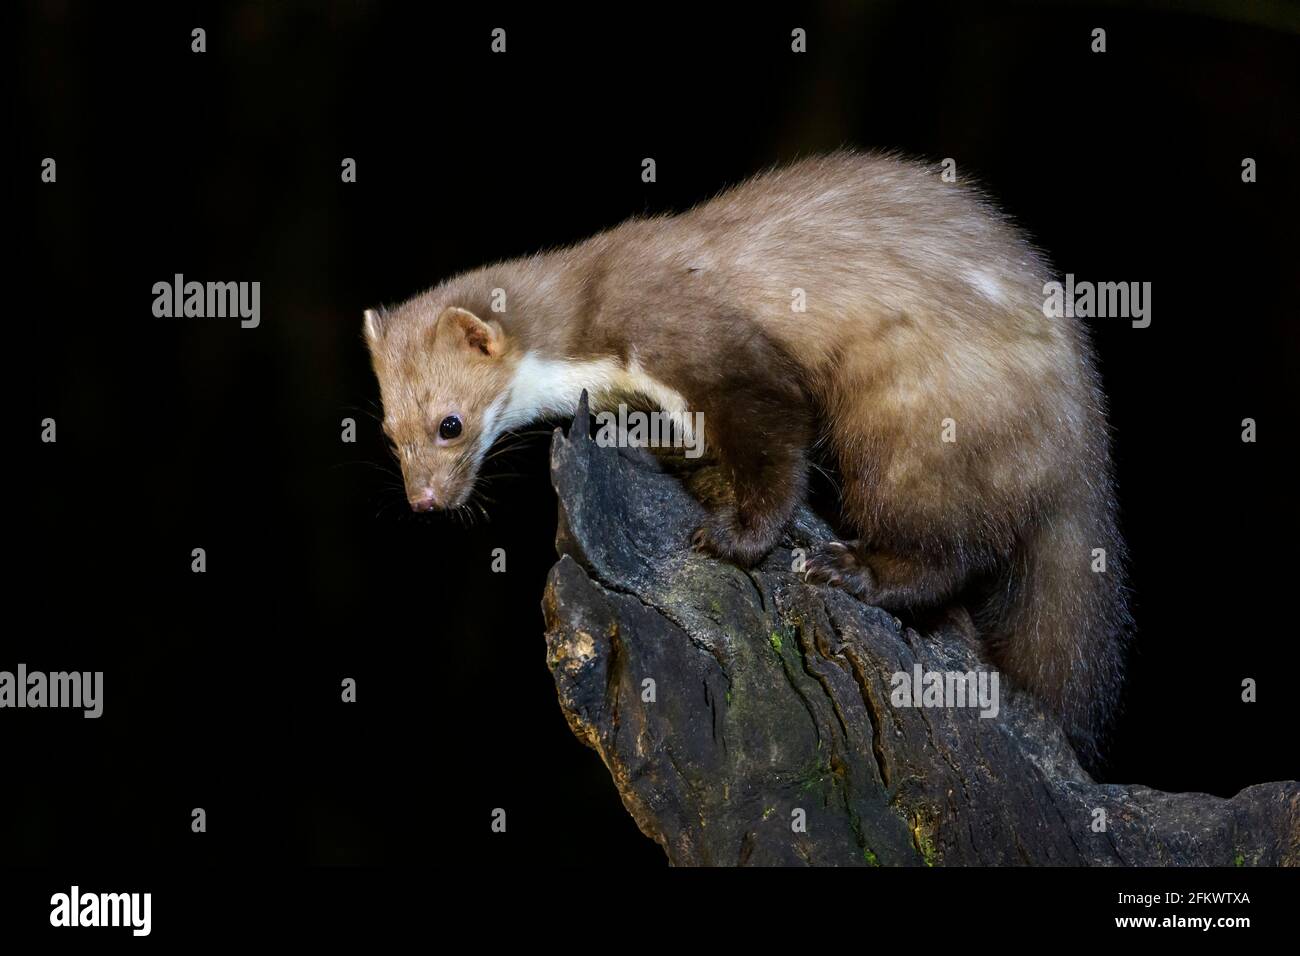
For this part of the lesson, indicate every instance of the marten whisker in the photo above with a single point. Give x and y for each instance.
(373, 415)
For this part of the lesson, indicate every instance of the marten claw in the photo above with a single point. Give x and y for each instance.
(713, 542)
(720, 542)
(837, 564)
(703, 540)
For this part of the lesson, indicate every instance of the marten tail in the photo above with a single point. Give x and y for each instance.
(1060, 622)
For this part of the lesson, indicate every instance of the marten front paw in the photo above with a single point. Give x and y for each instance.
(719, 539)
(837, 563)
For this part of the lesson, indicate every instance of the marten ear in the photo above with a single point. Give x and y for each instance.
(460, 326)
(374, 326)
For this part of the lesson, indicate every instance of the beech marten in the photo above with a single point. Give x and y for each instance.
(853, 300)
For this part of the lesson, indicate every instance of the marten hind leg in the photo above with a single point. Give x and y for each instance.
(895, 582)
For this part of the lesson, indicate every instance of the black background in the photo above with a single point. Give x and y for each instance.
(222, 689)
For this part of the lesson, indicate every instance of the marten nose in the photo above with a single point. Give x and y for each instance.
(424, 500)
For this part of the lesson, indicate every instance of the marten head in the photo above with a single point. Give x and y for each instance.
(444, 377)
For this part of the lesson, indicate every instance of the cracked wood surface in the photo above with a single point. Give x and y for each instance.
(771, 698)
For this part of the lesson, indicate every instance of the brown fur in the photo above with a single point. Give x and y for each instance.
(923, 304)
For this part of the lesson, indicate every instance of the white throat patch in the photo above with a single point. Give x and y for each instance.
(542, 387)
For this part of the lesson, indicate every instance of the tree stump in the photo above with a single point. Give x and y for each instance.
(746, 716)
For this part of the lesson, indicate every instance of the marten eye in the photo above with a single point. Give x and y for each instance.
(450, 428)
